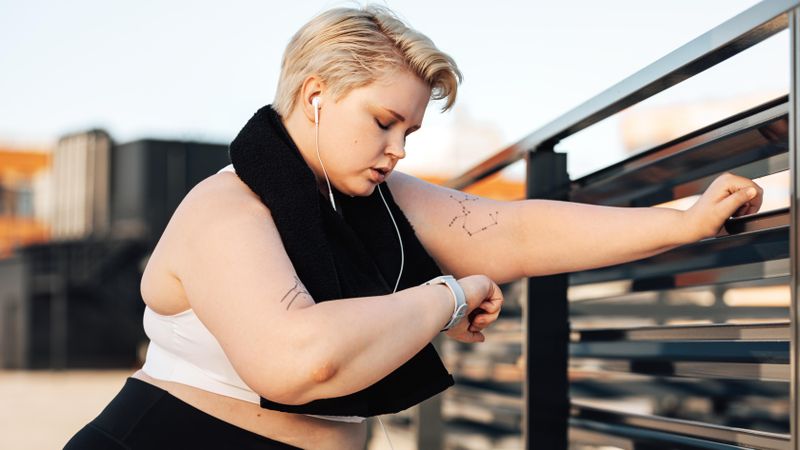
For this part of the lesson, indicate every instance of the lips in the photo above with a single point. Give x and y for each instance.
(377, 176)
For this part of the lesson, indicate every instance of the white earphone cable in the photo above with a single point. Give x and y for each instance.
(402, 261)
(400, 239)
(402, 253)
(316, 141)
(385, 433)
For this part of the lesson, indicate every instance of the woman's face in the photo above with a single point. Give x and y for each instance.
(366, 130)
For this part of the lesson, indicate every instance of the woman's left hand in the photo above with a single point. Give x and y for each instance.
(728, 195)
(477, 320)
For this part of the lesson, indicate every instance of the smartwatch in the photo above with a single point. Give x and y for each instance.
(459, 299)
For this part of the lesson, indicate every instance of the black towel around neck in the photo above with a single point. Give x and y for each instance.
(352, 252)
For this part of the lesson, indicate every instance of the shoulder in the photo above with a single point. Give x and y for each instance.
(400, 180)
(223, 191)
(407, 190)
(440, 206)
(217, 214)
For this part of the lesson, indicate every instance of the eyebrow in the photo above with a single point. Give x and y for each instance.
(399, 117)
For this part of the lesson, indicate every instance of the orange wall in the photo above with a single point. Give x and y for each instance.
(494, 187)
(16, 166)
(23, 162)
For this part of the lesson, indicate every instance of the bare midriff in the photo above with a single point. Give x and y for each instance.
(295, 429)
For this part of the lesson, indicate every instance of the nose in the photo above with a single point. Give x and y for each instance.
(396, 149)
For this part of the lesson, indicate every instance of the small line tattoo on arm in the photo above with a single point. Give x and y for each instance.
(465, 211)
(296, 290)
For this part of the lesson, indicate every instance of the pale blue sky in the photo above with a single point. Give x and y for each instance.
(199, 69)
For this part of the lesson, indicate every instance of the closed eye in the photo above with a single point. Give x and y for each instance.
(380, 125)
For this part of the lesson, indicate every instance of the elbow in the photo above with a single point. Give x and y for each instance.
(279, 389)
(306, 381)
(314, 384)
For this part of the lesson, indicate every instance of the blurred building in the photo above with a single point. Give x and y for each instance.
(23, 180)
(77, 227)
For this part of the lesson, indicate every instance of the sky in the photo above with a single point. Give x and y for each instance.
(198, 69)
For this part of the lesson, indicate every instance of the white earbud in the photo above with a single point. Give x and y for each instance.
(315, 102)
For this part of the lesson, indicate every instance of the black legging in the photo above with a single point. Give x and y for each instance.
(143, 416)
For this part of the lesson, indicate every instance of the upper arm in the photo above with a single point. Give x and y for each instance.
(241, 284)
(464, 233)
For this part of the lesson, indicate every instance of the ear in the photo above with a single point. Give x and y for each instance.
(312, 86)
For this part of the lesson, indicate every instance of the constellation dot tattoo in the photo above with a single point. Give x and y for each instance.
(297, 289)
(466, 212)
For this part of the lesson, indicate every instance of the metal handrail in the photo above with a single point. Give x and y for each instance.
(726, 40)
(620, 186)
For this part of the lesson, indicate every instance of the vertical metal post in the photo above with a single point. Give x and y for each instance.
(794, 190)
(546, 324)
(429, 421)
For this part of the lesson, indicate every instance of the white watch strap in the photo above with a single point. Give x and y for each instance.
(459, 298)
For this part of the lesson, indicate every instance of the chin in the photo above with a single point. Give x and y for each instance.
(357, 187)
(368, 191)
(372, 187)
(362, 191)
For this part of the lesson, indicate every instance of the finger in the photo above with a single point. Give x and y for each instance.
(492, 305)
(474, 313)
(757, 201)
(473, 331)
(475, 322)
(483, 320)
(479, 325)
(484, 308)
(734, 201)
(748, 208)
(477, 337)
(479, 322)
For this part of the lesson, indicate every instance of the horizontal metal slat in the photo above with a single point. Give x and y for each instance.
(673, 431)
(774, 352)
(662, 311)
(484, 406)
(740, 140)
(775, 331)
(689, 369)
(613, 386)
(762, 237)
(630, 438)
(758, 274)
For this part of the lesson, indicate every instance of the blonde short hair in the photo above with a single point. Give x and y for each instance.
(350, 48)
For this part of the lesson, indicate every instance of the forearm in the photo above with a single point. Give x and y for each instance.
(567, 237)
(358, 341)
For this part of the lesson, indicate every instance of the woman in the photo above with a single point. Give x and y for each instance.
(248, 350)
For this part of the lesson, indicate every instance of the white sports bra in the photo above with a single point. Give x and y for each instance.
(183, 350)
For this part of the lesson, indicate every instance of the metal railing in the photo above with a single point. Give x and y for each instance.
(738, 352)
